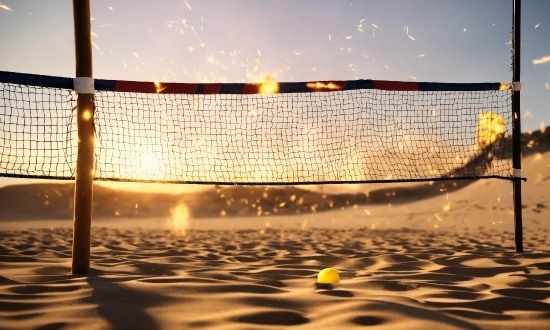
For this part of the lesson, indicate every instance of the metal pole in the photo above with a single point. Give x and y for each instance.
(85, 122)
(516, 125)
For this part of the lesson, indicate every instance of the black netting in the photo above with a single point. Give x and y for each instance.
(38, 136)
(362, 135)
(340, 136)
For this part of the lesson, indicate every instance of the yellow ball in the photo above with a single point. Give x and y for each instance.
(328, 276)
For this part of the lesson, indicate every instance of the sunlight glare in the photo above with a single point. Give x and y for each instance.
(179, 221)
(490, 128)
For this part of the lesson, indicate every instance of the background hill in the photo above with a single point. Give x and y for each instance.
(55, 200)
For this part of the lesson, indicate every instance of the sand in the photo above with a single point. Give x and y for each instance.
(444, 262)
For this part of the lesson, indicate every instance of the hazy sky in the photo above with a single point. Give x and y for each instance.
(240, 40)
(292, 40)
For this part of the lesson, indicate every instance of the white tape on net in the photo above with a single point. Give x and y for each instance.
(84, 85)
(516, 86)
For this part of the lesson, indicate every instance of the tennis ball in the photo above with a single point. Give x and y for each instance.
(328, 276)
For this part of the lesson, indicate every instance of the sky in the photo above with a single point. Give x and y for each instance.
(298, 40)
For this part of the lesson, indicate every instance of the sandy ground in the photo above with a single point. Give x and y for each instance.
(446, 262)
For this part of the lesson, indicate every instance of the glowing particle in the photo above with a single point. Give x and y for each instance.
(328, 276)
(411, 37)
(547, 87)
(464, 30)
(87, 115)
(5, 7)
(347, 37)
(329, 37)
(422, 55)
(374, 26)
(387, 66)
(187, 4)
(136, 55)
(537, 25)
(542, 60)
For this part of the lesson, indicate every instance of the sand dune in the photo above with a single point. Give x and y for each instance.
(154, 279)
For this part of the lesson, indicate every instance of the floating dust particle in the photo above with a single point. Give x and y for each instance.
(187, 4)
(5, 7)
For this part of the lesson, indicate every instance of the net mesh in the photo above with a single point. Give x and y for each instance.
(363, 135)
(38, 136)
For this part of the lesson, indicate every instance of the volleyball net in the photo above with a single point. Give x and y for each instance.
(264, 133)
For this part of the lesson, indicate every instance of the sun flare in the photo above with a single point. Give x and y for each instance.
(490, 128)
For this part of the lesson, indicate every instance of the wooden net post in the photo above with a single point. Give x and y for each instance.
(85, 121)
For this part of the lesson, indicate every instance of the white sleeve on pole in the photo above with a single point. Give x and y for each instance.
(84, 85)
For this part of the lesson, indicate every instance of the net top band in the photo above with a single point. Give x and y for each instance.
(246, 88)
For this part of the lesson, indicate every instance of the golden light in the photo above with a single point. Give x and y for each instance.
(86, 115)
(179, 221)
(320, 86)
(490, 128)
(149, 162)
(268, 85)
(158, 87)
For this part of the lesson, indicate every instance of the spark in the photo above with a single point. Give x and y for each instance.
(542, 60)
(5, 7)
(187, 5)
(297, 53)
(547, 87)
(422, 55)
(136, 55)
(347, 37)
(95, 45)
(413, 77)
(537, 25)
(190, 49)
(411, 37)
(210, 59)
(110, 8)
(387, 66)
(329, 38)
(374, 26)
(464, 30)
